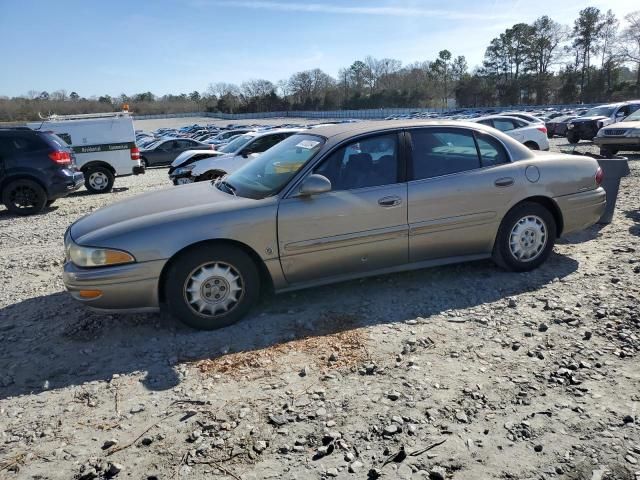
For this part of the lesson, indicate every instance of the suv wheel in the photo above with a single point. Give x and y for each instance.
(608, 152)
(24, 197)
(573, 137)
(211, 287)
(525, 238)
(99, 180)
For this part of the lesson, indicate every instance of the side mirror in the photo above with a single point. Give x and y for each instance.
(314, 184)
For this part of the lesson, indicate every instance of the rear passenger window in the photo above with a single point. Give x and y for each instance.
(491, 150)
(503, 124)
(437, 152)
(18, 145)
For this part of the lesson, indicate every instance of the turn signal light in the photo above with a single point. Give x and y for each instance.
(90, 293)
(135, 153)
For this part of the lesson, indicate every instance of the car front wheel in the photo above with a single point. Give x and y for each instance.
(211, 286)
(525, 238)
(573, 137)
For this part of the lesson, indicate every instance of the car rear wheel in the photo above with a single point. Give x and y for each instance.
(99, 180)
(532, 145)
(24, 197)
(525, 238)
(211, 286)
(145, 162)
(573, 137)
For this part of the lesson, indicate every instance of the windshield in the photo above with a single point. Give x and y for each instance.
(236, 144)
(603, 111)
(269, 173)
(634, 117)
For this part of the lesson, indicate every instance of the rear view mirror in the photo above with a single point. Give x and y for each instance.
(314, 184)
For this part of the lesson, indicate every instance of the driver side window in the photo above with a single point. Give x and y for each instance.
(367, 163)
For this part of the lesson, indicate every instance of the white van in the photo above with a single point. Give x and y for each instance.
(104, 145)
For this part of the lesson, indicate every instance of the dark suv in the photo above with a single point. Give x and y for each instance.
(36, 168)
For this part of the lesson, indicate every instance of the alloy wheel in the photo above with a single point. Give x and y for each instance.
(213, 289)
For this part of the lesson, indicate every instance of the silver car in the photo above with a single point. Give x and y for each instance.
(327, 205)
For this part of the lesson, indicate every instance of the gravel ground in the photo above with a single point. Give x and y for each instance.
(522, 376)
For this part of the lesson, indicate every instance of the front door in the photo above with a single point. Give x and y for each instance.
(359, 226)
(460, 184)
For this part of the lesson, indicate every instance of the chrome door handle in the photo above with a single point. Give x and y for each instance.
(389, 201)
(503, 182)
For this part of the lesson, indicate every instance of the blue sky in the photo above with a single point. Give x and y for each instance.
(174, 46)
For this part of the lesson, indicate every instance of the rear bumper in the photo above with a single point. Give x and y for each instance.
(132, 287)
(63, 185)
(585, 130)
(581, 210)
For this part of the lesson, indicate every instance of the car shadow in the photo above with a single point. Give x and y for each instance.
(83, 193)
(635, 216)
(7, 215)
(52, 342)
(582, 236)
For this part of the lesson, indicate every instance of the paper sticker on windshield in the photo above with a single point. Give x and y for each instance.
(308, 144)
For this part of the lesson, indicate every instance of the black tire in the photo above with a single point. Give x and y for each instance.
(208, 176)
(186, 265)
(98, 179)
(24, 197)
(608, 152)
(573, 137)
(502, 253)
(532, 145)
(50, 202)
(144, 162)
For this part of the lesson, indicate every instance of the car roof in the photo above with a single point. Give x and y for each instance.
(344, 131)
(262, 133)
(489, 117)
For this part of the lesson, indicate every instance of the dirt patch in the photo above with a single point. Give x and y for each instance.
(342, 349)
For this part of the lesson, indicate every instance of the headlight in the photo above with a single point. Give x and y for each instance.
(97, 257)
(570, 125)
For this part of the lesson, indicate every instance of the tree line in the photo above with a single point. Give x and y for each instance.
(596, 59)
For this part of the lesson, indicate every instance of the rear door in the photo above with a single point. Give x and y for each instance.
(359, 226)
(459, 185)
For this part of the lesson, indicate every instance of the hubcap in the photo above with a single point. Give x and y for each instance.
(528, 238)
(98, 180)
(213, 289)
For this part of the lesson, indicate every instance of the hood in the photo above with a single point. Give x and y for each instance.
(624, 125)
(589, 119)
(149, 209)
(185, 156)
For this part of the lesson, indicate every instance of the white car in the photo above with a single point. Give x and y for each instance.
(224, 137)
(532, 135)
(187, 168)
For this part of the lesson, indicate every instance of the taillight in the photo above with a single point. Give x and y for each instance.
(542, 128)
(599, 176)
(60, 157)
(135, 153)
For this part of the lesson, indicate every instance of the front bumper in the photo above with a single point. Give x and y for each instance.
(581, 210)
(130, 287)
(614, 141)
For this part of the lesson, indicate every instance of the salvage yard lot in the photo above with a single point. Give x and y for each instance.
(523, 376)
